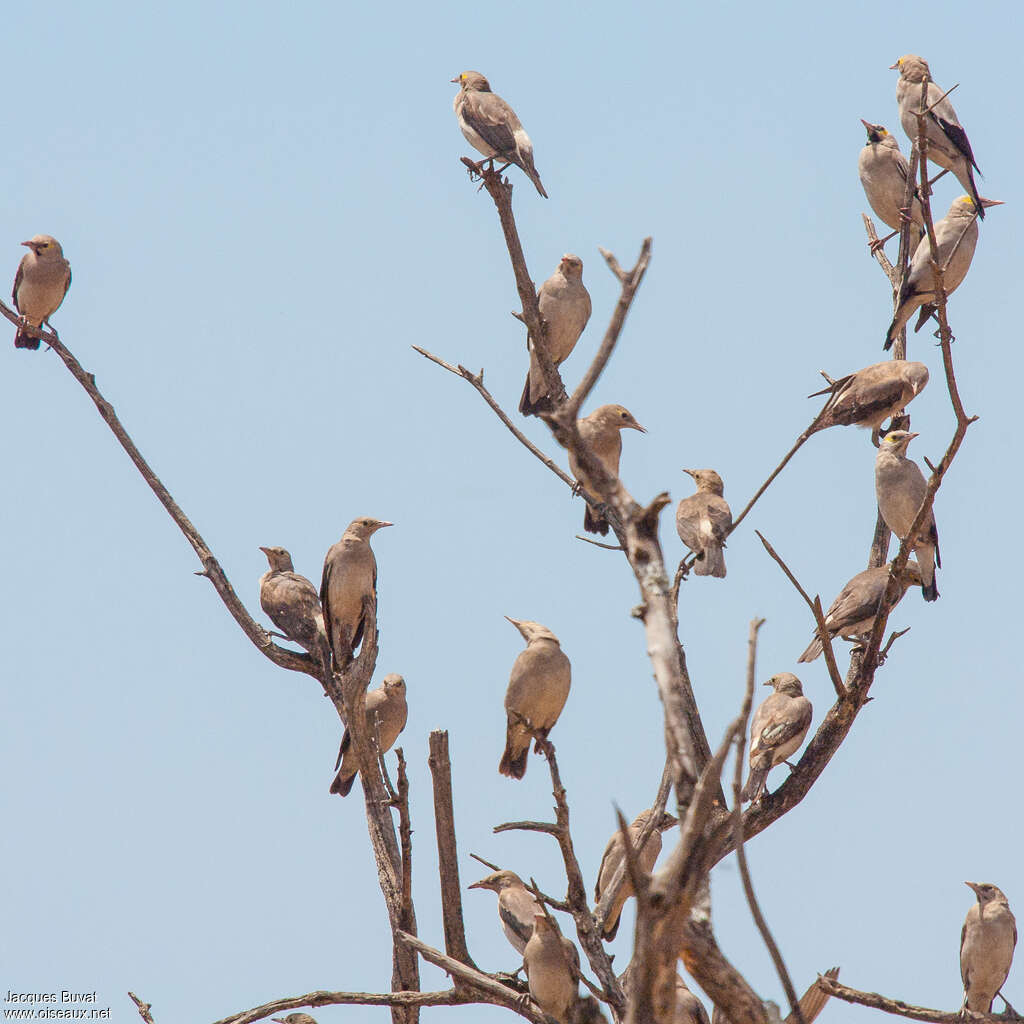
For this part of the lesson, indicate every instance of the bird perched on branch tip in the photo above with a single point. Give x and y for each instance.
(703, 521)
(42, 281)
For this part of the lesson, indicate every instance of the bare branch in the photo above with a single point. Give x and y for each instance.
(449, 997)
(486, 863)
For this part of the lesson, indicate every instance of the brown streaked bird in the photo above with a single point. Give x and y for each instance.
(537, 692)
(853, 611)
(491, 127)
(292, 604)
(517, 906)
(778, 728)
(987, 941)
(883, 171)
(565, 308)
(614, 857)
(349, 584)
(870, 396)
(42, 281)
(549, 969)
(600, 431)
(703, 521)
(385, 705)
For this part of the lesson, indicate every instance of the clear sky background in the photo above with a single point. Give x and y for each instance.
(264, 208)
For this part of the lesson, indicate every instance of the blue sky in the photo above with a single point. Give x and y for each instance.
(264, 208)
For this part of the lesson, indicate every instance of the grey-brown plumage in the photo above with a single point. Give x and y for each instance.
(548, 963)
(853, 611)
(948, 145)
(294, 1018)
(870, 396)
(348, 587)
(491, 127)
(293, 605)
(614, 857)
(883, 173)
(537, 692)
(703, 521)
(42, 281)
(565, 307)
(956, 237)
(517, 906)
(386, 705)
(688, 1008)
(987, 941)
(600, 431)
(900, 487)
(779, 726)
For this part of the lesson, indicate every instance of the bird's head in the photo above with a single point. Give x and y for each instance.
(497, 880)
(394, 684)
(279, 559)
(571, 267)
(787, 683)
(896, 441)
(531, 631)
(616, 416)
(987, 892)
(366, 526)
(707, 480)
(44, 245)
(912, 68)
(472, 81)
(916, 375)
(876, 133)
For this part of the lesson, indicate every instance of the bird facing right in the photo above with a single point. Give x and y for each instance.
(987, 940)
(703, 521)
(42, 281)
(870, 396)
(778, 728)
(386, 708)
(900, 488)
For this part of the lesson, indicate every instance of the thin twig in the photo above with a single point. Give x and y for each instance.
(486, 863)
(449, 997)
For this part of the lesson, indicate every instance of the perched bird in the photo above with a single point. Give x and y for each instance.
(703, 521)
(387, 706)
(349, 583)
(491, 126)
(853, 612)
(537, 692)
(883, 173)
(778, 728)
(956, 236)
(517, 906)
(900, 488)
(948, 145)
(870, 396)
(294, 1018)
(614, 857)
(549, 969)
(689, 1009)
(565, 307)
(292, 604)
(987, 940)
(600, 432)
(42, 281)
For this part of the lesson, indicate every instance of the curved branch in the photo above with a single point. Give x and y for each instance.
(900, 1008)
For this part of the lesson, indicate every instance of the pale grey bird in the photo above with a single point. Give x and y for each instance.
(883, 173)
(348, 587)
(601, 432)
(517, 906)
(870, 396)
(42, 281)
(292, 604)
(956, 236)
(491, 127)
(549, 969)
(948, 145)
(900, 488)
(853, 611)
(614, 857)
(703, 521)
(777, 729)
(987, 941)
(565, 307)
(537, 691)
(386, 707)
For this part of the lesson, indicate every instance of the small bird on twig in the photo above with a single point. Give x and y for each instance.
(883, 173)
(517, 906)
(292, 604)
(42, 281)
(779, 726)
(987, 941)
(703, 521)
(386, 705)
(870, 396)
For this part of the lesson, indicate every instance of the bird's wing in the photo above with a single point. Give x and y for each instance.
(17, 281)
(779, 730)
(492, 119)
(514, 924)
(325, 587)
(865, 400)
(67, 283)
(612, 845)
(720, 516)
(958, 137)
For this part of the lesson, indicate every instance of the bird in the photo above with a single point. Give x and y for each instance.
(987, 940)
(956, 236)
(853, 611)
(870, 396)
(549, 969)
(778, 728)
(564, 304)
(385, 705)
(600, 432)
(42, 281)
(703, 521)
(294, 1018)
(537, 692)
(900, 488)
(948, 145)
(517, 906)
(688, 1008)
(349, 583)
(491, 127)
(293, 605)
(883, 173)
(614, 857)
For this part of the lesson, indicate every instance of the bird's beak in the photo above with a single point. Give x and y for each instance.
(768, 683)
(972, 885)
(636, 426)
(689, 471)
(455, 81)
(380, 525)
(481, 884)
(265, 551)
(29, 245)
(911, 437)
(867, 124)
(894, 67)
(515, 622)
(984, 202)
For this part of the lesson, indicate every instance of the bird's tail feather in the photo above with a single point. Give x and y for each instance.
(594, 522)
(23, 340)
(814, 648)
(517, 750)
(342, 786)
(711, 562)
(755, 784)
